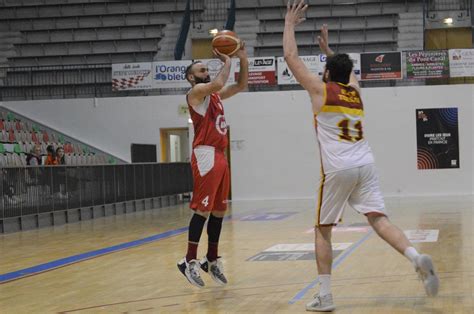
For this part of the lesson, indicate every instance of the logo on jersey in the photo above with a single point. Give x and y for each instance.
(219, 104)
(221, 125)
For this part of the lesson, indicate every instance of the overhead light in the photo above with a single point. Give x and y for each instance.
(448, 21)
(213, 31)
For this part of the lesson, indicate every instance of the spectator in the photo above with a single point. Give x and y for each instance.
(60, 156)
(51, 158)
(34, 157)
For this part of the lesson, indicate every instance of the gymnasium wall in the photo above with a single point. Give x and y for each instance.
(274, 152)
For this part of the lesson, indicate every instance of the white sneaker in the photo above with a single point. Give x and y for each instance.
(191, 272)
(425, 269)
(214, 269)
(321, 303)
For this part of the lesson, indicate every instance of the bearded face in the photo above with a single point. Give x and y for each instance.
(201, 74)
(198, 80)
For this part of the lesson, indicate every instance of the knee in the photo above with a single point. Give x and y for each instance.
(218, 214)
(323, 232)
(201, 213)
(378, 221)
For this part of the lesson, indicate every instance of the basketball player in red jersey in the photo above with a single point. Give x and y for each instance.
(348, 171)
(209, 165)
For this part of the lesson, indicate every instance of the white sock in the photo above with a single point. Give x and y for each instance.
(325, 285)
(412, 254)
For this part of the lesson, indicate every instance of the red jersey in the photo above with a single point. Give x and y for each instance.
(210, 128)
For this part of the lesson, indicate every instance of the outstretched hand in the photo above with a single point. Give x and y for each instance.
(241, 53)
(295, 12)
(221, 56)
(323, 41)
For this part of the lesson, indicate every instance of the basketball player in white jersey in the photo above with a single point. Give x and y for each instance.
(348, 171)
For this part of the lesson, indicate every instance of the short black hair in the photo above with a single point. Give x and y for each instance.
(50, 149)
(340, 68)
(189, 68)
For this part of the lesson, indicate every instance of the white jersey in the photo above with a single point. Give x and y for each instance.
(339, 129)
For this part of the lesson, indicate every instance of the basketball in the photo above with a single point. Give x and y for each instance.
(226, 42)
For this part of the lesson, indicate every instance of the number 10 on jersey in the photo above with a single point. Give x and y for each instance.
(354, 134)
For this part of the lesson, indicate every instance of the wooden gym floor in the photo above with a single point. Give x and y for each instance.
(103, 266)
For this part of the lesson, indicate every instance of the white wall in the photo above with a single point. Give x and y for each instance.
(281, 159)
(112, 124)
(391, 130)
(278, 155)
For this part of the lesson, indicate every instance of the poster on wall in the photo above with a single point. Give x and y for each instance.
(262, 70)
(381, 66)
(437, 138)
(461, 62)
(131, 76)
(355, 57)
(286, 77)
(427, 64)
(170, 74)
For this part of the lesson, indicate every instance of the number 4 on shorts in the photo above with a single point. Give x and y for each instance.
(205, 201)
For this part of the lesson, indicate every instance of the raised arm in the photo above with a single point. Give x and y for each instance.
(242, 82)
(294, 16)
(200, 91)
(323, 41)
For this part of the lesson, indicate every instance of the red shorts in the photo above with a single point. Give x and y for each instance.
(211, 179)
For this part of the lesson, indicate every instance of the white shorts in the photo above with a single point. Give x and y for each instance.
(359, 187)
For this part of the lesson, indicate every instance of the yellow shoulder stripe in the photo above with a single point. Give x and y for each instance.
(325, 94)
(341, 109)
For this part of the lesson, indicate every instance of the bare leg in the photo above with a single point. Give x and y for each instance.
(389, 232)
(219, 213)
(397, 239)
(323, 249)
(201, 213)
(323, 300)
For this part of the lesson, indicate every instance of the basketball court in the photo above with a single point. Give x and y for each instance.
(111, 85)
(268, 259)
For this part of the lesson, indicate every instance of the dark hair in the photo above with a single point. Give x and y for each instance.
(189, 68)
(339, 67)
(50, 149)
(61, 161)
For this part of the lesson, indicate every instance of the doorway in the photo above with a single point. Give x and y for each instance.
(175, 145)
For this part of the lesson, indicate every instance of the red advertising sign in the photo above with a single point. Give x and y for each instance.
(261, 71)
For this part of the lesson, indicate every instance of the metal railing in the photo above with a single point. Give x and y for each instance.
(215, 10)
(449, 5)
(37, 190)
(58, 75)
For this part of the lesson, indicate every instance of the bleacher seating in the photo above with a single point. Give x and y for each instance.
(18, 137)
(81, 32)
(358, 26)
(87, 29)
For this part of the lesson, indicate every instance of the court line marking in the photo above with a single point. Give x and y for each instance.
(62, 262)
(66, 261)
(336, 263)
(193, 293)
